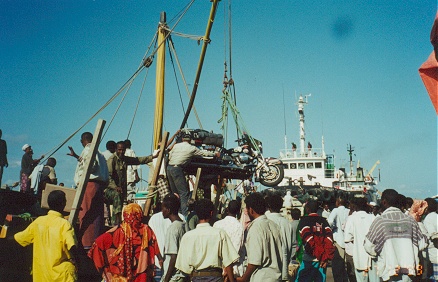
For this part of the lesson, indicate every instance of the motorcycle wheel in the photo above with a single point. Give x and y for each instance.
(273, 176)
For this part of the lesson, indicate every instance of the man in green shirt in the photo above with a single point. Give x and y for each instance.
(115, 193)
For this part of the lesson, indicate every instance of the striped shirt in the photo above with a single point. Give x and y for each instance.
(393, 224)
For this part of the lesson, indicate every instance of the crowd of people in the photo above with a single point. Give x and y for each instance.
(254, 243)
(257, 238)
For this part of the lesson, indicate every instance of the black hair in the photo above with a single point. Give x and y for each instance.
(361, 204)
(391, 197)
(295, 213)
(431, 205)
(56, 200)
(409, 202)
(312, 206)
(171, 202)
(87, 136)
(275, 202)
(121, 142)
(256, 202)
(51, 162)
(233, 207)
(342, 200)
(204, 209)
(128, 143)
(111, 145)
(401, 201)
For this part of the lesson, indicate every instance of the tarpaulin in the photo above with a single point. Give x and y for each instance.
(429, 69)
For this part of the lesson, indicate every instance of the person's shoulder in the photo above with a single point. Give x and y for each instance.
(219, 223)
(111, 157)
(431, 217)
(177, 225)
(156, 218)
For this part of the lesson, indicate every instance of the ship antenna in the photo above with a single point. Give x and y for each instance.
(284, 120)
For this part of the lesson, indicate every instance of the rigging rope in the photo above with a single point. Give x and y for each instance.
(146, 61)
(184, 35)
(172, 46)
(52, 151)
(138, 102)
(153, 42)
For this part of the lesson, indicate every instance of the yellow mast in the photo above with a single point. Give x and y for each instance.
(159, 82)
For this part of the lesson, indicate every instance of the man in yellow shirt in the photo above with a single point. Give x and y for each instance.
(54, 243)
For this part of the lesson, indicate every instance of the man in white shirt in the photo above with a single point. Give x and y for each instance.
(325, 211)
(430, 223)
(356, 228)
(110, 149)
(287, 201)
(234, 229)
(336, 220)
(274, 204)
(91, 218)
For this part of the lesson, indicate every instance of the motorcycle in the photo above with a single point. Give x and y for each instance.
(242, 162)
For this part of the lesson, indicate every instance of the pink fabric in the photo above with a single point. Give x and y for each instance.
(417, 209)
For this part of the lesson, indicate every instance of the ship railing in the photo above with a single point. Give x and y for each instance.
(312, 153)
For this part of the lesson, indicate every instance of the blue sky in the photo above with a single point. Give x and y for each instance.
(62, 60)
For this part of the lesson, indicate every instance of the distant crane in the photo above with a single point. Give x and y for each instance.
(368, 176)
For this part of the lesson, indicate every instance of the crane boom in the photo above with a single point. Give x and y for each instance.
(373, 168)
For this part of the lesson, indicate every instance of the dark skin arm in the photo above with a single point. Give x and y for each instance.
(72, 153)
(160, 259)
(249, 270)
(35, 162)
(171, 268)
(229, 273)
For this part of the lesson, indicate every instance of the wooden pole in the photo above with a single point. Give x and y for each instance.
(80, 191)
(157, 168)
(206, 41)
(195, 187)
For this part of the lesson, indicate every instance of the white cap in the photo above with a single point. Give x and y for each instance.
(25, 146)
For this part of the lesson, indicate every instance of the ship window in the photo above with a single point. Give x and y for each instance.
(293, 166)
(301, 166)
(286, 166)
(318, 165)
(309, 165)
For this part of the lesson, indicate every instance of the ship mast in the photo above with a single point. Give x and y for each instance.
(301, 103)
(350, 152)
(159, 82)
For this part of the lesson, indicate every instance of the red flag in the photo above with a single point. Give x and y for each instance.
(429, 69)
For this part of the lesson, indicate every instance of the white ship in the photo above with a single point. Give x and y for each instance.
(311, 170)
